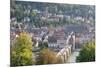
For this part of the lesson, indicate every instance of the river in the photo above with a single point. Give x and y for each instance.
(73, 57)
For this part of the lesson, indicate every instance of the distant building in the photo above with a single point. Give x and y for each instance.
(77, 28)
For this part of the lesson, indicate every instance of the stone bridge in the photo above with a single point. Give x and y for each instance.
(65, 52)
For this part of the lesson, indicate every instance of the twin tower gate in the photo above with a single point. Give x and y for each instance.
(65, 52)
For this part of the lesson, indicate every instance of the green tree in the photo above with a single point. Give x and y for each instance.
(48, 57)
(21, 51)
(87, 54)
(33, 13)
(43, 45)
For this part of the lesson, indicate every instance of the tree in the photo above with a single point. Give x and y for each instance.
(43, 45)
(87, 54)
(21, 51)
(47, 56)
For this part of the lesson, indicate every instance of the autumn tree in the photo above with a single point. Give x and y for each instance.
(47, 56)
(21, 51)
(87, 54)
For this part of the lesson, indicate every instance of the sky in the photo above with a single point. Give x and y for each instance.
(87, 2)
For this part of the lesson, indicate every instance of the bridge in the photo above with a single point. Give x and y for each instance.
(69, 48)
(65, 52)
